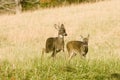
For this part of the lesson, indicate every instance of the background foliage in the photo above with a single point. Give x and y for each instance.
(9, 5)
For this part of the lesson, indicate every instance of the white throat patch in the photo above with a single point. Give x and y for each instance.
(81, 39)
(60, 36)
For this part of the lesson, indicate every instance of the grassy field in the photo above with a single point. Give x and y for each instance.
(23, 36)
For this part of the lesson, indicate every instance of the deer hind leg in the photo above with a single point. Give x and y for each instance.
(71, 54)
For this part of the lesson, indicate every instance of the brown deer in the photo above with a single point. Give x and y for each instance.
(81, 47)
(56, 44)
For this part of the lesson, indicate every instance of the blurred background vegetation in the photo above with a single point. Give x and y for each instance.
(9, 6)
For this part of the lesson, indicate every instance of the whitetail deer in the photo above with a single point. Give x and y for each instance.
(56, 44)
(81, 47)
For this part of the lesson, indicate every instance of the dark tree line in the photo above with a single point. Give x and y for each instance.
(17, 6)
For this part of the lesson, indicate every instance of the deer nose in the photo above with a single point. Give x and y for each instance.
(65, 34)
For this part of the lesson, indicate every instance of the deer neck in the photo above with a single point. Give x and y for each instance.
(85, 43)
(60, 37)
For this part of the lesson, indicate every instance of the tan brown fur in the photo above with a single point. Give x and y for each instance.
(75, 47)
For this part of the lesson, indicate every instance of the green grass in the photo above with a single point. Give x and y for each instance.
(78, 69)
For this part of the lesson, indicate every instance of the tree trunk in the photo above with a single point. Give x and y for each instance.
(18, 6)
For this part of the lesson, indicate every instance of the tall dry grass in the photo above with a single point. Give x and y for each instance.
(100, 20)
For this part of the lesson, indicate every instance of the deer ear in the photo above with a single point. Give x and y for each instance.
(56, 26)
(81, 38)
(62, 25)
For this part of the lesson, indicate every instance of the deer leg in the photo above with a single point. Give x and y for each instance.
(82, 55)
(71, 55)
(58, 51)
(63, 48)
(54, 53)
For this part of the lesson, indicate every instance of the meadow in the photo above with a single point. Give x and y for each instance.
(23, 36)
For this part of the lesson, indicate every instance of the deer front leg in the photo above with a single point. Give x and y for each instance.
(53, 54)
(63, 48)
